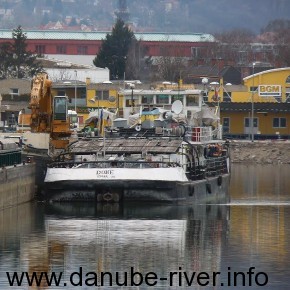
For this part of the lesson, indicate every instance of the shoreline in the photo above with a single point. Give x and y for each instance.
(260, 152)
(241, 151)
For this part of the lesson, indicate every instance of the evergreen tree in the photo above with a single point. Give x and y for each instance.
(5, 55)
(16, 61)
(114, 50)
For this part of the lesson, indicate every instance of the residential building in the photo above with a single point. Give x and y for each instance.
(15, 95)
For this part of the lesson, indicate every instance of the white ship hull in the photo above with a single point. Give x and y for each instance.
(133, 184)
(111, 174)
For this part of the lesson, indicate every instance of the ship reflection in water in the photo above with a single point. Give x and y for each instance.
(252, 231)
(148, 238)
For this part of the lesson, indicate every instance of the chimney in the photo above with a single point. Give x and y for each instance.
(88, 81)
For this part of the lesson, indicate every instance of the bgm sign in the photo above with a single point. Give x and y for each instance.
(269, 90)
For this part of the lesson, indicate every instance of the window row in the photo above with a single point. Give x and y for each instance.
(61, 49)
(163, 99)
(277, 122)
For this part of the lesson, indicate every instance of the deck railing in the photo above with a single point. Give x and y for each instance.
(10, 157)
(214, 166)
(113, 164)
(203, 134)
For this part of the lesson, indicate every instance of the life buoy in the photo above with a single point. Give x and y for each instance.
(218, 150)
(108, 196)
(138, 128)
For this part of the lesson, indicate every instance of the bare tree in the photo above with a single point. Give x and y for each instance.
(234, 46)
(282, 40)
(278, 33)
(60, 75)
(171, 66)
(137, 66)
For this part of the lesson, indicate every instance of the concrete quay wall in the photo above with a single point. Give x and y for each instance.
(17, 184)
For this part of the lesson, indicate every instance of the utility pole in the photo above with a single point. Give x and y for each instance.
(0, 107)
(252, 107)
(132, 86)
(76, 91)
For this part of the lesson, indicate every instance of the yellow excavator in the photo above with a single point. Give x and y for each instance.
(49, 115)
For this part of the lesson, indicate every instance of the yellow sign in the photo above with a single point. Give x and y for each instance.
(269, 90)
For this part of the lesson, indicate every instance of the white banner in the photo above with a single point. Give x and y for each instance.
(270, 90)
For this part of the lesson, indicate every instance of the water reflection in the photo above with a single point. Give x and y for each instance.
(148, 238)
(259, 231)
(111, 238)
(252, 231)
(260, 183)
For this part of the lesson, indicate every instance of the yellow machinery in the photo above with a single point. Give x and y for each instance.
(49, 114)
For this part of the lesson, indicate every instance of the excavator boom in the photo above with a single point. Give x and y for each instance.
(49, 114)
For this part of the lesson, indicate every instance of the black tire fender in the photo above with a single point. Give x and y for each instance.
(208, 187)
(220, 180)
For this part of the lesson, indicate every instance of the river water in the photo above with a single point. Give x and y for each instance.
(241, 245)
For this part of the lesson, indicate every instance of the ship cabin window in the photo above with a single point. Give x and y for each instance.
(60, 108)
(176, 97)
(192, 100)
(162, 99)
(147, 99)
(167, 107)
(288, 80)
